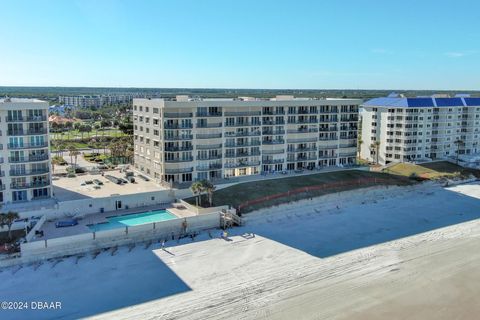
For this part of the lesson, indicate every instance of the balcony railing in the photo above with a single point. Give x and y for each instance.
(242, 134)
(273, 141)
(182, 137)
(242, 124)
(212, 166)
(273, 161)
(187, 159)
(179, 170)
(28, 159)
(273, 132)
(36, 131)
(177, 126)
(241, 145)
(28, 172)
(310, 130)
(242, 154)
(209, 114)
(208, 146)
(243, 113)
(15, 132)
(27, 145)
(209, 157)
(242, 164)
(209, 125)
(178, 115)
(209, 135)
(179, 148)
(37, 184)
(27, 119)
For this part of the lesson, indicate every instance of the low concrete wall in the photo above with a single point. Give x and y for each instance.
(58, 247)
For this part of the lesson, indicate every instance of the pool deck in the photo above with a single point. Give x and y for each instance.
(50, 231)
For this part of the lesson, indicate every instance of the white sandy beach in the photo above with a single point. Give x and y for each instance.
(401, 253)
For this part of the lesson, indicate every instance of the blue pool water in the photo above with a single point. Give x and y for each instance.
(133, 219)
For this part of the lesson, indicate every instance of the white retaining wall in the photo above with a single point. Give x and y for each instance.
(46, 249)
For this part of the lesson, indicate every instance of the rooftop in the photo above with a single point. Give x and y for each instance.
(421, 102)
(22, 100)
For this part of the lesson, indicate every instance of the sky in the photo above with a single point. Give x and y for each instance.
(273, 44)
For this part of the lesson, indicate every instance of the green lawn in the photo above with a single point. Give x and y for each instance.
(243, 192)
(431, 170)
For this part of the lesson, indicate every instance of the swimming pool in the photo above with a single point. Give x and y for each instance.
(133, 219)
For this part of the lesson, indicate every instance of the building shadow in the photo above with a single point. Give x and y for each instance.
(87, 287)
(325, 233)
(62, 194)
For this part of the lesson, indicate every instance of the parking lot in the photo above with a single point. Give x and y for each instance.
(80, 187)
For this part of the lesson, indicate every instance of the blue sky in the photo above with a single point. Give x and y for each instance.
(349, 44)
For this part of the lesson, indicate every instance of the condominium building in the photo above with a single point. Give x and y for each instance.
(419, 129)
(24, 150)
(184, 139)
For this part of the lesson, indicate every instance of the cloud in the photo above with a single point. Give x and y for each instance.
(459, 54)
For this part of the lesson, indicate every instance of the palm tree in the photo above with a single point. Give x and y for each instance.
(209, 188)
(197, 189)
(73, 153)
(55, 162)
(7, 219)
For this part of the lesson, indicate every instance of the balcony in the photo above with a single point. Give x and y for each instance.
(208, 146)
(242, 164)
(178, 170)
(306, 149)
(310, 130)
(213, 166)
(241, 145)
(272, 123)
(175, 115)
(36, 131)
(273, 132)
(242, 154)
(37, 184)
(242, 113)
(273, 141)
(175, 160)
(182, 137)
(242, 134)
(209, 157)
(273, 161)
(28, 172)
(209, 114)
(15, 132)
(27, 145)
(242, 124)
(279, 151)
(179, 148)
(348, 154)
(26, 119)
(177, 126)
(209, 125)
(209, 135)
(43, 157)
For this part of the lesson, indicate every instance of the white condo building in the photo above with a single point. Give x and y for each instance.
(419, 129)
(184, 140)
(24, 150)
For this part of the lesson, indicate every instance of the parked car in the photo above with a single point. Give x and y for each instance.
(98, 182)
(66, 223)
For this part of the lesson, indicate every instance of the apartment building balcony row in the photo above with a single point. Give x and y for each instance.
(43, 157)
(242, 144)
(27, 145)
(36, 184)
(179, 148)
(26, 132)
(230, 165)
(243, 124)
(242, 154)
(26, 119)
(304, 130)
(28, 172)
(272, 161)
